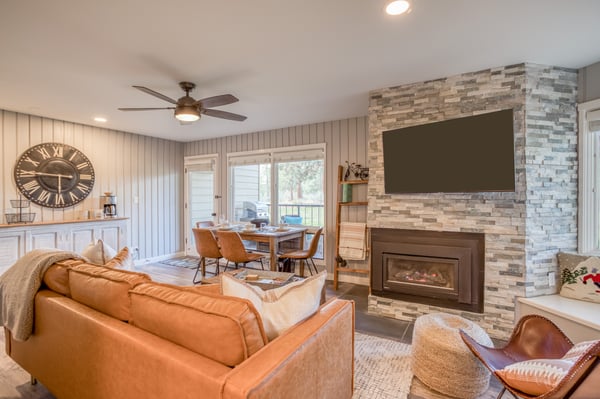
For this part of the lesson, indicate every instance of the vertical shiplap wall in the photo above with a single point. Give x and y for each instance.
(145, 173)
(346, 140)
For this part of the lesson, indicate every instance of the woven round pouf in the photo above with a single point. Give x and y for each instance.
(442, 361)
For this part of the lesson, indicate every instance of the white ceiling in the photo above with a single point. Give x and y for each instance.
(289, 62)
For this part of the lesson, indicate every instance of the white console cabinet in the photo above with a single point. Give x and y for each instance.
(74, 235)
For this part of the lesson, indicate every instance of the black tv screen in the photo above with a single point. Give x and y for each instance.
(470, 154)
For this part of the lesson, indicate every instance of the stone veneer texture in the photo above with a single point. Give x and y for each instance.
(524, 229)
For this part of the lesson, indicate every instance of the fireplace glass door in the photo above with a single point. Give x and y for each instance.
(421, 275)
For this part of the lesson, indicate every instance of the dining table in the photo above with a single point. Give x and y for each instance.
(273, 236)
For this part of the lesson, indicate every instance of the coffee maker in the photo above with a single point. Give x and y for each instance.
(109, 202)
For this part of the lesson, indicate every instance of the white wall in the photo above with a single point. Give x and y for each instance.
(145, 173)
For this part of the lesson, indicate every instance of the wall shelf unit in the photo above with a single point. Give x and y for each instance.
(338, 218)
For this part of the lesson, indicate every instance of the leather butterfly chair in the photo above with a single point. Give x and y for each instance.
(207, 247)
(306, 255)
(536, 337)
(232, 248)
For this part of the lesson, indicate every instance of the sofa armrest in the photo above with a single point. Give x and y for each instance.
(314, 359)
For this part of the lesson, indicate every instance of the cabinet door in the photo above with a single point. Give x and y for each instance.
(81, 238)
(47, 239)
(111, 235)
(12, 247)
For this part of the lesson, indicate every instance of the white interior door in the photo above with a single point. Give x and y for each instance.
(201, 198)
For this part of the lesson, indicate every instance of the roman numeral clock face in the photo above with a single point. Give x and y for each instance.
(54, 175)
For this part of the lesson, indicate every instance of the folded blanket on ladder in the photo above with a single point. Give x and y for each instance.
(353, 241)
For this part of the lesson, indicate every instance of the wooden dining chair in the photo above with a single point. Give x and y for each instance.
(305, 255)
(233, 249)
(207, 247)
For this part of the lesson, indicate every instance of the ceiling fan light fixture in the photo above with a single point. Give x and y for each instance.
(397, 7)
(187, 113)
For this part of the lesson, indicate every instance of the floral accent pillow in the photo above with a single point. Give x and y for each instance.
(580, 280)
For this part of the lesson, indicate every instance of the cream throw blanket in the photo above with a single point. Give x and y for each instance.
(20, 283)
(353, 241)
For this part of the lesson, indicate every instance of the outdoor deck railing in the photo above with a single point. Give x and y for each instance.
(311, 214)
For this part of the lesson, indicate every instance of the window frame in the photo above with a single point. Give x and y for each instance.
(589, 184)
(274, 156)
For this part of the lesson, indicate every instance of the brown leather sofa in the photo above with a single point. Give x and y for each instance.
(105, 333)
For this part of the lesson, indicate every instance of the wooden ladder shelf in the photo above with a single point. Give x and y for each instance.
(338, 218)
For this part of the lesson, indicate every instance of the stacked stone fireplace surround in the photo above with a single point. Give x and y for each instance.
(524, 229)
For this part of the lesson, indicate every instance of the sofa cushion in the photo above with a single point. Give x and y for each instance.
(56, 277)
(104, 289)
(280, 308)
(98, 253)
(227, 330)
(122, 259)
(580, 277)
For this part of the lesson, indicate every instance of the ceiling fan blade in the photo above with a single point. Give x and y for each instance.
(143, 109)
(217, 101)
(155, 94)
(223, 115)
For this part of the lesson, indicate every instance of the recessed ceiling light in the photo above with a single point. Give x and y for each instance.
(397, 7)
(100, 119)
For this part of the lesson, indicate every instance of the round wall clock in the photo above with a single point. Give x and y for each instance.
(54, 175)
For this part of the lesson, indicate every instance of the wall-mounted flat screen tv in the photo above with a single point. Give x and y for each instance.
(470, 154)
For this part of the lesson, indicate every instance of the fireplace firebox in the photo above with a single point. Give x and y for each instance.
(443, 269)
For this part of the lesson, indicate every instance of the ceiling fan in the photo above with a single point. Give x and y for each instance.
(187, 109)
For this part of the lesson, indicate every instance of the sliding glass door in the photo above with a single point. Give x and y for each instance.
(277, 186)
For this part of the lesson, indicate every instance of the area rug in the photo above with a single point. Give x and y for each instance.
(189, 262)
(382, 368)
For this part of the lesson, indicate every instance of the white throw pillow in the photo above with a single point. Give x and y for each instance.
(280, 308)
(99, 253)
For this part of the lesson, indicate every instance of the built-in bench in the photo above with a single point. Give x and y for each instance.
(579, 320)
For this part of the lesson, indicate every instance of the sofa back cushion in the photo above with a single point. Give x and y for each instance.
(225, 329)
(104, 289)
(56, 277)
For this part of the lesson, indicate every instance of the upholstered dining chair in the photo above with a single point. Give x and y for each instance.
(233, 250)
(204, 223)
(207, 247)
(537, 338)
(305, 255)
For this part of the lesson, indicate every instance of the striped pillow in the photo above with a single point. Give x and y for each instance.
(536, 377)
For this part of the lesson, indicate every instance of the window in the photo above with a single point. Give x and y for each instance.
(589, 177)
(284, 185)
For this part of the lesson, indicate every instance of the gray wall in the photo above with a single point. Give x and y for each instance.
(589, 83)
(145, 173)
